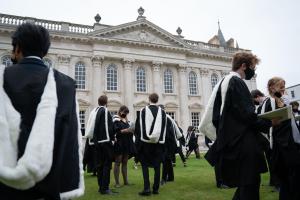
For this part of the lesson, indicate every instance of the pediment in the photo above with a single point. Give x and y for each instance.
(113, 103)
(141, 31)
(83, 103)
(171, 105)
(141, 104)
(195, 106)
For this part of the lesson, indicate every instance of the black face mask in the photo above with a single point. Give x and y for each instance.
(256, 103)
(278, 94)
(249, 73)
(295, 110)
(123, 115)
(14, 60)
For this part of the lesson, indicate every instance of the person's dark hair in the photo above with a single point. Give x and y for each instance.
(102, 100)
(190, 128)
(242, 57)
(153, 98)
(256, 93)
(161, 106)
(123, 109)
(294, 104)
(32, 40)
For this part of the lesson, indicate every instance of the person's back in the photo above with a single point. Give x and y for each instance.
(24, 83)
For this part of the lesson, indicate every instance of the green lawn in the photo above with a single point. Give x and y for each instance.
(196, 181)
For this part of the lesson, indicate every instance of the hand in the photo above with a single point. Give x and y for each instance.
(276, 121)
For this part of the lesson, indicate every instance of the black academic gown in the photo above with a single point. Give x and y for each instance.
(24, 83)
(285, 159)
(236, 150)
(149, 154)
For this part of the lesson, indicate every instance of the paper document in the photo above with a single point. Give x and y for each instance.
(131, 127)
(283, 114)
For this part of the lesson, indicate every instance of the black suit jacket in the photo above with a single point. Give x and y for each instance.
(24, 83)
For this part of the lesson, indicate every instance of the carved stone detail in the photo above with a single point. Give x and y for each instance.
(97, 60)
(128, 63)
(224, 73)
(64, 59)
(182, 68)
(156, 66)
(204, 72)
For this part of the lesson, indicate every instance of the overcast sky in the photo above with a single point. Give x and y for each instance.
(270, 28)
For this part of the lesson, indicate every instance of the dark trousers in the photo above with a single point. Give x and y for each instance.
(248, 192)
(145, 170)
(181, 156)
(103, 175)
(167, 170)
(289, 186)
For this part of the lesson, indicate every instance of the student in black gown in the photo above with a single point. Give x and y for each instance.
(57, 172)
(236, 149)
(192, 142)
(124, 147)
(180, 143)
(150, 132)
(103, 138)
(259, 98)
(295, 108)
(173, 134)
(285, 143)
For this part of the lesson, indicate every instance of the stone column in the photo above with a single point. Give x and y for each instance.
(64, 64)
(128, 87)
(157, 86)
(97, 79)
(206, 86)
(184, 115)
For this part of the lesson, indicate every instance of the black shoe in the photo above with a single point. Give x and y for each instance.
(109, 192)
(155, 192)
(145, 193)
(162, 182)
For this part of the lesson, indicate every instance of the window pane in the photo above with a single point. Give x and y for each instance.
(112, 78)
(214, 80)
(168, 81)
(80, 75)
(195, 119)
(6, 61)
(193, 83)
(140, 80)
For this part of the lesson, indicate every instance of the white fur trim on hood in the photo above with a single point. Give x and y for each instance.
(36, 161)
(206, 126)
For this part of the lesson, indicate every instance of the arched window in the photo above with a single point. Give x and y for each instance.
(47, 62)
(6, 61)
(112, 77)
(168, 81)
(214, 80)
(193, 83)
(140, 80)
(80, 75)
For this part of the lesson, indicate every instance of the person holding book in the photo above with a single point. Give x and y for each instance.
(231, 121)
(285, 143)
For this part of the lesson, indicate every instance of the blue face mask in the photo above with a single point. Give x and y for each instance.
(249, 73)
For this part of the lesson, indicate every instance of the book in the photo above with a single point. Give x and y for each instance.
(283, 114)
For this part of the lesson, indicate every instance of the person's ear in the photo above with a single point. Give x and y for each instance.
(244, 66)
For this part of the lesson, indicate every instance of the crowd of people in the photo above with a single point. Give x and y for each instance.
(40, 140)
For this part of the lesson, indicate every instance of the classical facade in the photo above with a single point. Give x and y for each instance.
(127, 62)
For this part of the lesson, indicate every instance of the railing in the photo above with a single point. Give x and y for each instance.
(48, 24)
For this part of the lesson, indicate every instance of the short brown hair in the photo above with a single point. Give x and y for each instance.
(273, 81)
(102, 100)
(242, 57)
(153, 98)
(294, 104)
(123, 109)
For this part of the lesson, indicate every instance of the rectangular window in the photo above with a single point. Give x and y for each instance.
(293, 94)
(82, 121)
(172, 114)
(195, 119)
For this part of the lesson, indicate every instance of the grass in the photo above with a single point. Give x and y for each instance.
(196, 181)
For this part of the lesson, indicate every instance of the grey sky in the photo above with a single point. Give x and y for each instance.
(270, 28)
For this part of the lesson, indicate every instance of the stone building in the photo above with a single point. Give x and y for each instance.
(129, 61)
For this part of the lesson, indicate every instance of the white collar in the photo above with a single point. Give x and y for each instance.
(36, 57)
(235, 73)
